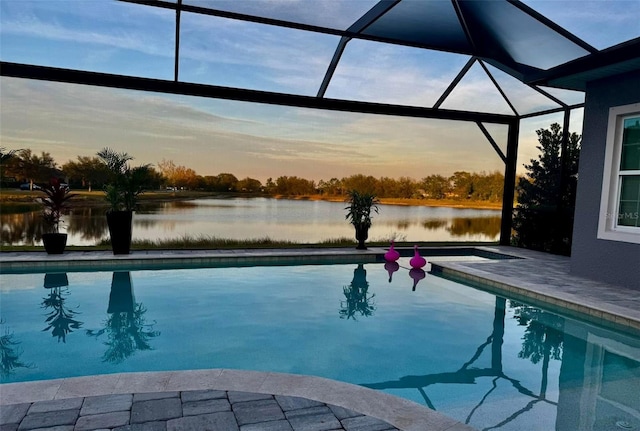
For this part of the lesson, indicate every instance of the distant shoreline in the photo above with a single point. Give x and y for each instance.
(96, 199)
(450, 203)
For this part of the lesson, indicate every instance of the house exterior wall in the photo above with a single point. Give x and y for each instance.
(605, 260)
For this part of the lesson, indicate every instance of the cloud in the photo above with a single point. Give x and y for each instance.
(384, 73)
(113, 24)
(213, 136)
(318, 12)
(250, 55)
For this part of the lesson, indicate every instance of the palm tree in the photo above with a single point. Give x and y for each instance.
(126, 182)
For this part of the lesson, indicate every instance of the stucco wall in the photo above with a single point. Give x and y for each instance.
(609, 261)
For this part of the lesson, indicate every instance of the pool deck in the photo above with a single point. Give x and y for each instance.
(249, 400)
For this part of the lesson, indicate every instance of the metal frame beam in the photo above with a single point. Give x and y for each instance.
(455, 82)
(493, 143)
(365, 21)
(292, 25)
(333, 65)
(46, 73)
(500, 90)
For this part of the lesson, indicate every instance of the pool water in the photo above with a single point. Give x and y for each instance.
(485, 360)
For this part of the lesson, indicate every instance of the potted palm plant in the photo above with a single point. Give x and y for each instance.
(55, 203)
(359, 214)
(121, 191)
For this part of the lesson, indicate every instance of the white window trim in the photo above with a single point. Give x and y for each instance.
(607, 226)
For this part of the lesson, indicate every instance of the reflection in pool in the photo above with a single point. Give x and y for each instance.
(488, 361)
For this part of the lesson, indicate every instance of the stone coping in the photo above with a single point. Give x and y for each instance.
(72, 261)
(399, 412)
(544, 280)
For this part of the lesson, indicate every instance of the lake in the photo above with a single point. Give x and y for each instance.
(253, 218)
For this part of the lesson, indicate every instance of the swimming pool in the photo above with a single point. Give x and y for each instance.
(481, 359)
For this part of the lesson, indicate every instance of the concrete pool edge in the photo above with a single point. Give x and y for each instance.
(551, 294)
(399, 412)
(78, 261)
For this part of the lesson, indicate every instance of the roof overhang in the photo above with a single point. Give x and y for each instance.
(575, 74)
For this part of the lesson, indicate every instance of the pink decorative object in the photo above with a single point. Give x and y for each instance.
(417, 261)
(392, 255)
(391, 267)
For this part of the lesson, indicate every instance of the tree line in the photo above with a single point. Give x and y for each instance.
(24, 166)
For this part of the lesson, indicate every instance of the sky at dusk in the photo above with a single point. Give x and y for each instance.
(213, 136)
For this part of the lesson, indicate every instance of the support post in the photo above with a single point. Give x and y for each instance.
(498, 335)
(562, 182)
(176, 60)
(509, 182)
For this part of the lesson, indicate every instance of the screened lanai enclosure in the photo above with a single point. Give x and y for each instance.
(482, 65)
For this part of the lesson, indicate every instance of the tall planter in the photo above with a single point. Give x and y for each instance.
(54, 203)
(54, 243)
(359, 214)
(362, 234)
(120, 224)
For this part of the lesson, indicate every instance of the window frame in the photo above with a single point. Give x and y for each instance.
(608, 228)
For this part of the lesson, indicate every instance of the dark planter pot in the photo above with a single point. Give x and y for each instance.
(54, 243)
(121, 299)
(120, 223)
(362, 233)
(52, 280)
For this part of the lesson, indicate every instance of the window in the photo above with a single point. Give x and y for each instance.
(620, 203)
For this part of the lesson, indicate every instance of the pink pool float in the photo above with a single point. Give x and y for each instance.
(392, 255)
(417, 261)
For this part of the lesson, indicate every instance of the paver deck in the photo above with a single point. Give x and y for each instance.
(249, 401)
(218, 400)
(187, 410)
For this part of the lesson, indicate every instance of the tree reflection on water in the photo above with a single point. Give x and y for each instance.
(60, 320)
(88, 223)
(26, 228)
(357, 299)
(21, 228)
(10, 353)
(543, 342)
(462, 226)
(543, 334)
(125, 328)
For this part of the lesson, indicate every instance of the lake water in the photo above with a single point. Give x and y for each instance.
(253, 218)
